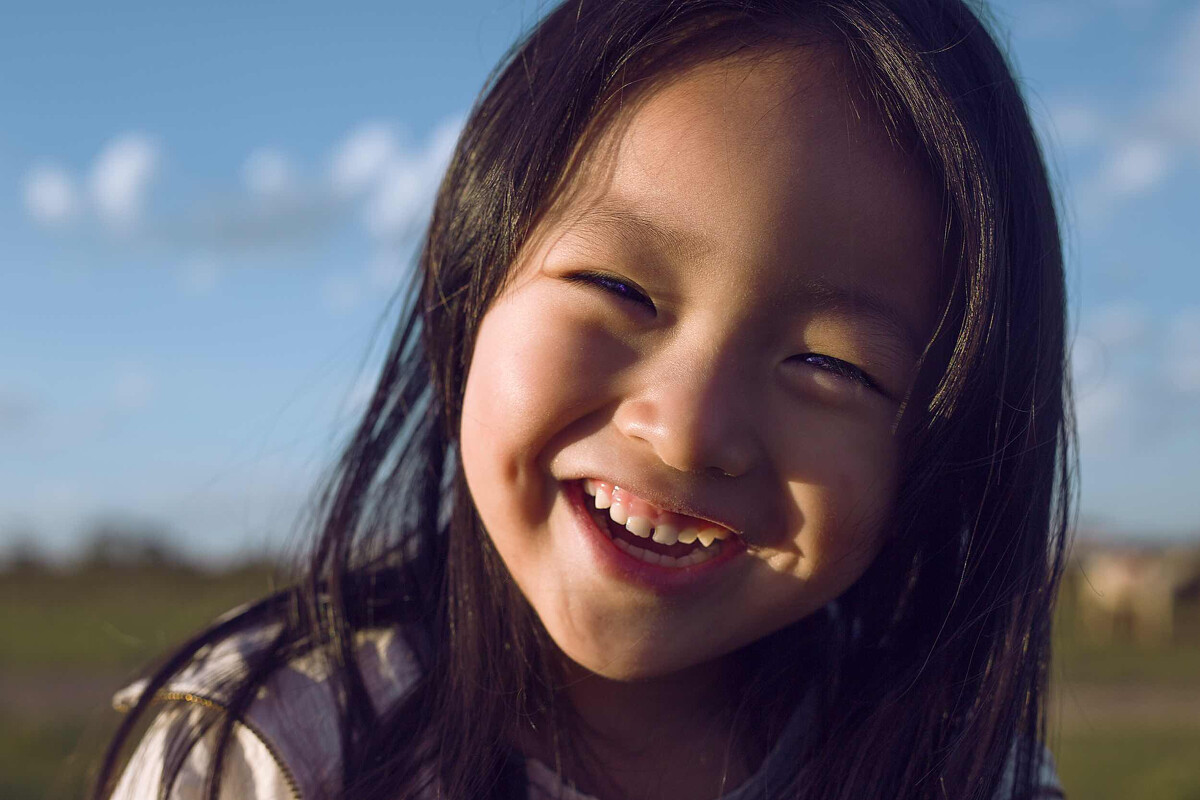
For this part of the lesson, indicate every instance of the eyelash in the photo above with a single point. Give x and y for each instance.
(627, 291)
(843, 368)
(614, 286)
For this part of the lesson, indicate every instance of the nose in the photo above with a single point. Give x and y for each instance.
(696, 414)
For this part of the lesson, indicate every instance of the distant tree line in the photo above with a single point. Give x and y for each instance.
(113, 543)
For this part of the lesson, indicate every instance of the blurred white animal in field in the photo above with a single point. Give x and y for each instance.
(1132, 594)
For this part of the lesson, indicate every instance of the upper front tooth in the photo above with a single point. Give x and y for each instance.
(638, 526)
(688, 535)
(589, 486)
(619, 513)
(603, 497)
(665, 533)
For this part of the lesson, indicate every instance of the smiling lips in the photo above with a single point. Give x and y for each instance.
(649, 533)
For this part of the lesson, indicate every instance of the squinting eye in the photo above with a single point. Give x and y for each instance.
(841, 368)
(617, 286)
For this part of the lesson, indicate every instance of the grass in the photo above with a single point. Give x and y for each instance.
(76, 637)
(1131, 764)
(108, 619)
(42, 758)
(1109, 753)
(68, 639)
(1176, 664)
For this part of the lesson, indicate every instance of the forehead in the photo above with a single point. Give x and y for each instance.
(769, 165)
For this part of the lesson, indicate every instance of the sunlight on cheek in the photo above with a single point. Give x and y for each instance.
(835, 515)
(788, 562)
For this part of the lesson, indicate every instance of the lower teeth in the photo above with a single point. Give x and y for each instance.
(697, 556)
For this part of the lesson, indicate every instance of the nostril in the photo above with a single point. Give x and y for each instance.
(691, 432)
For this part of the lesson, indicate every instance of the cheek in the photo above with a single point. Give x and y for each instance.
(842, 480)
(499, 422)
(538, 363)
(531, 379)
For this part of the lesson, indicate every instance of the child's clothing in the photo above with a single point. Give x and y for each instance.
(286, 747)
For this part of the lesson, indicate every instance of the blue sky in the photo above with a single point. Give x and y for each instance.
(204, 210)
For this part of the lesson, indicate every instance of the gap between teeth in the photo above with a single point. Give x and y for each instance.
(643, 528)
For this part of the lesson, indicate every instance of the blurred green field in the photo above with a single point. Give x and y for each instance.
(114, 618)
(1139, 762)
(68, 640)
(1125, 718)
(1126, 721)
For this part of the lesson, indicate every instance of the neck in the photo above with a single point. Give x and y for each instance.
(667, 737)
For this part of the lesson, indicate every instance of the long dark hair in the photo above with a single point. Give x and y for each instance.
(933, 665)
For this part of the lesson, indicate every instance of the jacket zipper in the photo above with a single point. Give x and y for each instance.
(188, 697)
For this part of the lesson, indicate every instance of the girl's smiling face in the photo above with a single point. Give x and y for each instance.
(720, 316)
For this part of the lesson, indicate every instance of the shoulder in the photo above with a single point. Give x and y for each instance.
(287, 744)
(251, 771)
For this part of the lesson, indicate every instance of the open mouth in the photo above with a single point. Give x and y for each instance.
(652, 536)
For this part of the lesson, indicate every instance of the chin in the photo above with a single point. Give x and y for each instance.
(626, 669)
(634, 659)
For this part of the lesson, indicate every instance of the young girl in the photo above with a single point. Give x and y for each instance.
(722, 450)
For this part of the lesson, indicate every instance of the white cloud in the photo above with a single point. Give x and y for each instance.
(1135, 166)
(50, 195)
(1159, 137)
(360, 159)
(1075, 124)
(121, 176)
(397, 200)
(442, 142)
(372, 174)
(268, 173)
(1131, 167)
(405, 187)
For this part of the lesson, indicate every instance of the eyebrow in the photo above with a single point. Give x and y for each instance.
(856, 301)
(634, 228)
